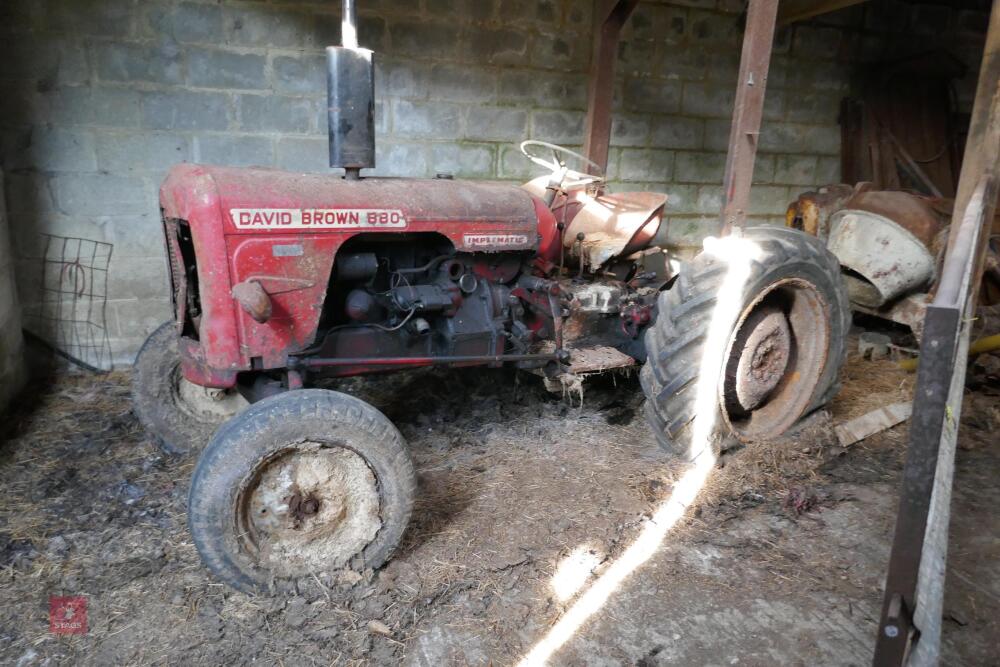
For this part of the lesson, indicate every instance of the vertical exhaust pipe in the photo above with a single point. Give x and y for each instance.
(349, 25)
(350, 94)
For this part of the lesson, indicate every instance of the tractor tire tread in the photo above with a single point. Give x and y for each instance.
(260, 431)
(675, 342)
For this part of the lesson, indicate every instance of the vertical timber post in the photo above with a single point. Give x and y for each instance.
(747, 112)
(909, 631)
(982, 144)
(609, 17)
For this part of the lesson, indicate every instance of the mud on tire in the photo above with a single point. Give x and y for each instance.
(158, 402)
(789, 261)
(260, 514)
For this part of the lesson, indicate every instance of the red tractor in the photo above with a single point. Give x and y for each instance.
(282, 279)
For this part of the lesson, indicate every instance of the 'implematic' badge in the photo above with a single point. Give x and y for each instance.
(495, 240)
(317, 218)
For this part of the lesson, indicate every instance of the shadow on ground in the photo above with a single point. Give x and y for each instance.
(781, 560)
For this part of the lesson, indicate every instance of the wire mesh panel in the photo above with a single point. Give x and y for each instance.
(72, 309)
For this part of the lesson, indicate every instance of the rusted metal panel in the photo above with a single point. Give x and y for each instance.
(909, 311)
(609, 16)
(748, 112)
(811, 212)
(913, 213)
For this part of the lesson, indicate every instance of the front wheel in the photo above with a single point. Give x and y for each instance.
(304, 482)
(180, 414)
(750, 339)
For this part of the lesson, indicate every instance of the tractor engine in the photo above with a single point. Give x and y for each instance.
(407, 298)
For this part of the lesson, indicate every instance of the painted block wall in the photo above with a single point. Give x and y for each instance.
(99, 97)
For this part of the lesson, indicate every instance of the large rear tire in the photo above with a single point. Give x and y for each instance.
(305, 482)
(181, 415)
(785, 343)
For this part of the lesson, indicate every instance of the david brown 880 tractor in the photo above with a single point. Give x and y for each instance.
(281, 279)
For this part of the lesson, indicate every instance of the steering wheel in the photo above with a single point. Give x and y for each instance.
(563, 177)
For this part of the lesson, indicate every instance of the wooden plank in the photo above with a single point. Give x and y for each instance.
(982, 147)
(933, 561)
(910, 625)
(873, 422)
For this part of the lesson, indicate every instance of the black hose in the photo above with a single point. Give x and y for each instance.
(426, 267)
(30, 335)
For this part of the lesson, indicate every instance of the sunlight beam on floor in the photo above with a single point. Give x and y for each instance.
(736, 254)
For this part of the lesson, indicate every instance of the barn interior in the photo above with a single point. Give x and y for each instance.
(549, 525)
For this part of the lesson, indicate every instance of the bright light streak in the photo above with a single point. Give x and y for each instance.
(601, 210)
(573, 572)
(348, 35)
(736, 254)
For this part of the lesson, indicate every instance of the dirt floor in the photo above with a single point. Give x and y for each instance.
(780, 560)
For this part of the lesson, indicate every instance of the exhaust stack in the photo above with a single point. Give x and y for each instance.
(350, 92)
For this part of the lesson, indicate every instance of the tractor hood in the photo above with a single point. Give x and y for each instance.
(283, 230)
(475, 216)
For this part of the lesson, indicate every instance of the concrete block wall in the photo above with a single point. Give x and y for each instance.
(99, 97)
(12, 366)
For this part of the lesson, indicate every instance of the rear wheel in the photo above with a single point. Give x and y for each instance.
(180, 414)
(304, 482)
(776, 358)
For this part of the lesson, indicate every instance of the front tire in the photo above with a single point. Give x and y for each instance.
(181, 415)
(781, 348)
(304, 482)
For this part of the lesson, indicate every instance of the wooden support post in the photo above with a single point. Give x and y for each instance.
(748, 112)
(609, 17)
(982, 145)
(910, 626)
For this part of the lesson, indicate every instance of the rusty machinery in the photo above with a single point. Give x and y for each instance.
(280, 280)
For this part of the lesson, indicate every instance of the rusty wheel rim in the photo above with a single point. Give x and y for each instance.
(775, 359)
(309, 507)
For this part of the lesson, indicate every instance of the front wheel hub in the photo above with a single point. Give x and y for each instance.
(309, 508)
(206, 403)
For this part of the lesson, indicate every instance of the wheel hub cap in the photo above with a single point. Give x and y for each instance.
(311, 508)
(775, 359)
(764, 357)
